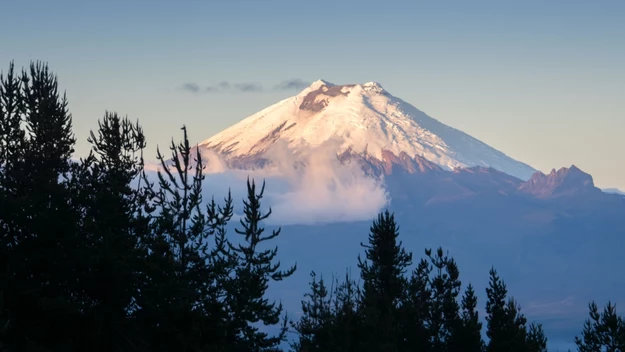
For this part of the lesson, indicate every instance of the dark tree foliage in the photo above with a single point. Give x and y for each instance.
(496, 313)
(506, 328)
(93, 257)
(38, 222)
(470, 335)
(256, 267)
(115, 222)
(330, 319)
(415, 311)
(423, 311)
(316, 326)
(384, 283)
(178, 251)
(443, 321)
(603, 331)
(347, 322)
(536, 339)
(12, 140)
(12, 144)
(11, 110)
(48, 122)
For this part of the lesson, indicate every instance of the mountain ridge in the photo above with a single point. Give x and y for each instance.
(565, 181)
(364, 120)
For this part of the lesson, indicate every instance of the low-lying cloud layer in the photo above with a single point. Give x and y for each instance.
(243, 87)
(321, 191)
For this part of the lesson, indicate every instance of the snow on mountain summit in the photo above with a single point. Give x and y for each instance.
(362, 120)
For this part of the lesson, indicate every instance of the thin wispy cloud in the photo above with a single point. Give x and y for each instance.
(222, 87)
(243, 87)
(292, 84)
(248, 87)
(191, 87)
(310, 188)
(304, 189)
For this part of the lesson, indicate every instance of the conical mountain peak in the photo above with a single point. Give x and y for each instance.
(358, 119)
(320, 83)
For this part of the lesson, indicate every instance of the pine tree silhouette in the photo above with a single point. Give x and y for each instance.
(443, 321)
(115, 224)
(506, 327)
(603, 331)
(256, 267)
(38, 219)
(384, 284)
(471, 336)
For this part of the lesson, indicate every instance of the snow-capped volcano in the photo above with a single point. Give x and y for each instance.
(362, 121)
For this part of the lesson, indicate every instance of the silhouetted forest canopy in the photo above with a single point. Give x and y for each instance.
(95, 257)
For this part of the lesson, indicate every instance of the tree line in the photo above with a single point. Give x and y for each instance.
(96, 257)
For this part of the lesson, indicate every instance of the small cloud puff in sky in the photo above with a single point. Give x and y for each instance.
(292, 84)
(245, 87)
(320, 190)
(224, 86)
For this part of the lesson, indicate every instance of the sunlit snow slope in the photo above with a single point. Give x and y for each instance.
(362, 120)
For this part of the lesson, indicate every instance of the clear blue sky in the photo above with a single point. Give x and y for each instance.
(543, 81)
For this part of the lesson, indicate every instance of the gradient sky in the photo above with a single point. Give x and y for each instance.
(542, 81)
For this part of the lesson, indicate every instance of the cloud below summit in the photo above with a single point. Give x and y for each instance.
(323, 191)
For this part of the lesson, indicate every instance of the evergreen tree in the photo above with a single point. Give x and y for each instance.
(115, 221)
(178, 307)
(603, 331)
(497, 328)
(536, 339)
(330, 320)
(470, 336)
(496, 313)
(256, 267)
(12, 136)
(516, 325)
(443, 321)
(505, 323)
(41, 222)
(384, 284)
(415, 311)
(315, 328)
(48, 122)
(347, 320)
(12, 139)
